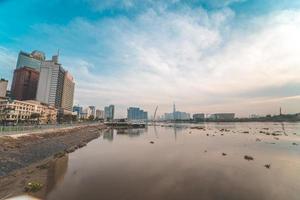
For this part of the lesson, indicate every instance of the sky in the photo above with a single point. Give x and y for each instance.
(239, 56)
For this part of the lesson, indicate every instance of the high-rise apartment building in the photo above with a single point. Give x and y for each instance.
(33, 59)
(68, 92)
(51, 83)
(109, 112)
(3, 88)
(24, 85)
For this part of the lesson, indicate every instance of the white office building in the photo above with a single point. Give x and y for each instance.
(50, 86)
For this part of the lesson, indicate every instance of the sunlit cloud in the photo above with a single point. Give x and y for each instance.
(198, 58)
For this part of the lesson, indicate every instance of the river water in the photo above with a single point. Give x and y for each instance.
(177, 162)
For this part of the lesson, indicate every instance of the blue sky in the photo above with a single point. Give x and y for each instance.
(206, 56)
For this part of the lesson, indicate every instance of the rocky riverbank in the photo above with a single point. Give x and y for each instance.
(25, 151)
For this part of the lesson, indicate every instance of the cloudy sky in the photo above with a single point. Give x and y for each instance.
(209, 56)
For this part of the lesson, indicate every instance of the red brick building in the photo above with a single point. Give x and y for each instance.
(25, 82)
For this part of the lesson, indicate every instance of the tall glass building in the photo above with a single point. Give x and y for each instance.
(33, 59)
(134, 113)
(109, 112)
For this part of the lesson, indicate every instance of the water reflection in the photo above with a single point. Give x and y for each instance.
(108, 135)
(111, 133)
(56, 172)
(175, 166)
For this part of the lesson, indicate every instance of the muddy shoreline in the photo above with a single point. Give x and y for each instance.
(26, 156)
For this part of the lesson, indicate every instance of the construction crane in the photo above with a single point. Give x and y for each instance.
(155, 113)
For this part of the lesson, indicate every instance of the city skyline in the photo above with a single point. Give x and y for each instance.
(236, 56)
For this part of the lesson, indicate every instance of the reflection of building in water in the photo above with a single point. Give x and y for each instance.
(131, 132)
(56, 172)
(109, 135)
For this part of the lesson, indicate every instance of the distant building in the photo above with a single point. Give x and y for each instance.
(222, 116)
(168, 116)
(3, 88)
(177, 115)
(14, 111)
(254, 116)
(199, 117)
(25, 82)
(109, 112)
(100, 114)
(68, 92)
(134, 113)
(92, 111)
(33, 59)
(78, 111)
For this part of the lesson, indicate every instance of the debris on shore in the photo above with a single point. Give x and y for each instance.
(268, 166)
(224, 154)
(151, 142)
(198, 127)
(246, 157)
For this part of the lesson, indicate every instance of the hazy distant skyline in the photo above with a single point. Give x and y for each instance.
(239, 56)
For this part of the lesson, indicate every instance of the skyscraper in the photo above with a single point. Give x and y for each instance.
(109, 112)
(33, 59)
(68, 92)
(56, 86)
(50, 83)
(3, 88)
(24, 85)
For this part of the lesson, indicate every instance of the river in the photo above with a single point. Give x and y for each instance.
(182, 162)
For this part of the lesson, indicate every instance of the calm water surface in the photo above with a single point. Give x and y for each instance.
(185, 163)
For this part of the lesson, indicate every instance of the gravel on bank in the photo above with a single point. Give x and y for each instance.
(20, 152)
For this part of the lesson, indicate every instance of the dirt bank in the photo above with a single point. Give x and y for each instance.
(30, 157)
(19, 152)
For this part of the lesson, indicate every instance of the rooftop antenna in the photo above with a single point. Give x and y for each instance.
(280, 113)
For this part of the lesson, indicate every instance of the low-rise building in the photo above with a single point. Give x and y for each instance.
(199, 117)
(14, 111)
(78, 110)
(222, 116)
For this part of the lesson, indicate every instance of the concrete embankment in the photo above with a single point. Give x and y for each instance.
(19, 151)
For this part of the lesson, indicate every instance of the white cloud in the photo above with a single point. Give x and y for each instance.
(192, 57)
